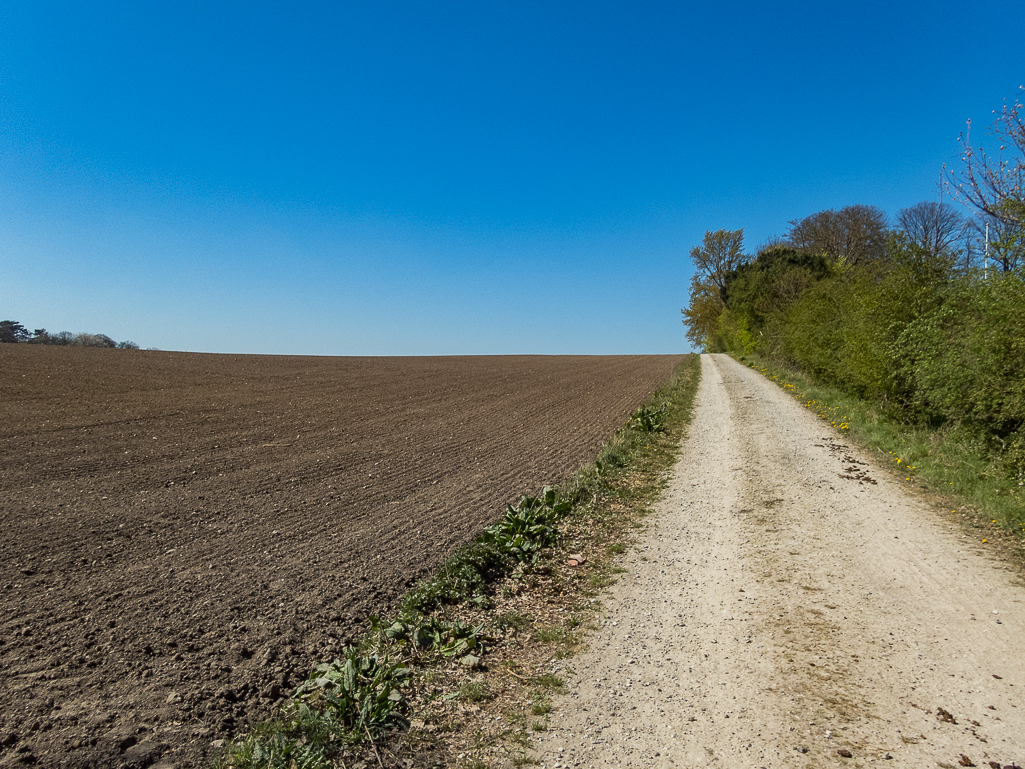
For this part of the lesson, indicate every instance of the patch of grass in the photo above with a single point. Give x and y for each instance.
(463, 577)
(552, 634)
(512, 619)
(550, 682)
(615, 549)
(600, 580)
(562, 635)
(475, 691)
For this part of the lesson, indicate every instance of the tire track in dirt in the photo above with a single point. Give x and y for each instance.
(777, 613)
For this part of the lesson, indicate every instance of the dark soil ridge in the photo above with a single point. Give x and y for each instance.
(184, 535)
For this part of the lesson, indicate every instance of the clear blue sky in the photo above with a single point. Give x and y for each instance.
(406, 178)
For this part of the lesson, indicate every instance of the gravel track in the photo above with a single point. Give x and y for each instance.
(779, 614)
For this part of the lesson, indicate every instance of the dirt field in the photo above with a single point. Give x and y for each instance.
(183, 535)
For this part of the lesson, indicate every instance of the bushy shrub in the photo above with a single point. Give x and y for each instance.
(968, 366)
(930, 344)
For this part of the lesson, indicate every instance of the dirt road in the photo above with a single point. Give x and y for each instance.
(790, 605)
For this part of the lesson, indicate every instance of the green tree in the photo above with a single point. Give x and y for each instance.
(12, 331)
(771, 282)
(968, 362)
(830, 332)
(720, 253)
(701, 315)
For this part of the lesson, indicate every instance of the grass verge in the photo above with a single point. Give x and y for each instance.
(952, 467)
(465, 670)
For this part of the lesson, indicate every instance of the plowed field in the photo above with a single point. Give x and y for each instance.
(183, 535)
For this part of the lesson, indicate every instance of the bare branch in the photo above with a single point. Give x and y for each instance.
(854, 234)
(937, 228)
(994, 184)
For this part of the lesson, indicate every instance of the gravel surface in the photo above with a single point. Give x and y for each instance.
(790, 605)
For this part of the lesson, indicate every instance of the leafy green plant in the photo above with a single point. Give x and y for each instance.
(361, 693)
(525, 530)
(343, 702)
(464, 577)
(275, 745)
(450, 639)
(649, 418)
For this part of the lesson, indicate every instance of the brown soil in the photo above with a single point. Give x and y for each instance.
(184, 535)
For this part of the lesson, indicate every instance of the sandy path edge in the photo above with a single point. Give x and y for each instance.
(778, 614)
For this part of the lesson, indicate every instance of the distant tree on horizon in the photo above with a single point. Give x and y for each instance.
(12, 332)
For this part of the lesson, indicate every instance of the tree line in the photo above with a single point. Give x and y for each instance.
(925, 317)
(13, 332)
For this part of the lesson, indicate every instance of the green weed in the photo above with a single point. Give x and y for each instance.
(512, 619)
(551, 682)
(466, 576)
(475, 691)
(529, 527)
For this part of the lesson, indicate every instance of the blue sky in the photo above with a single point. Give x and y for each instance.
(368, 178)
